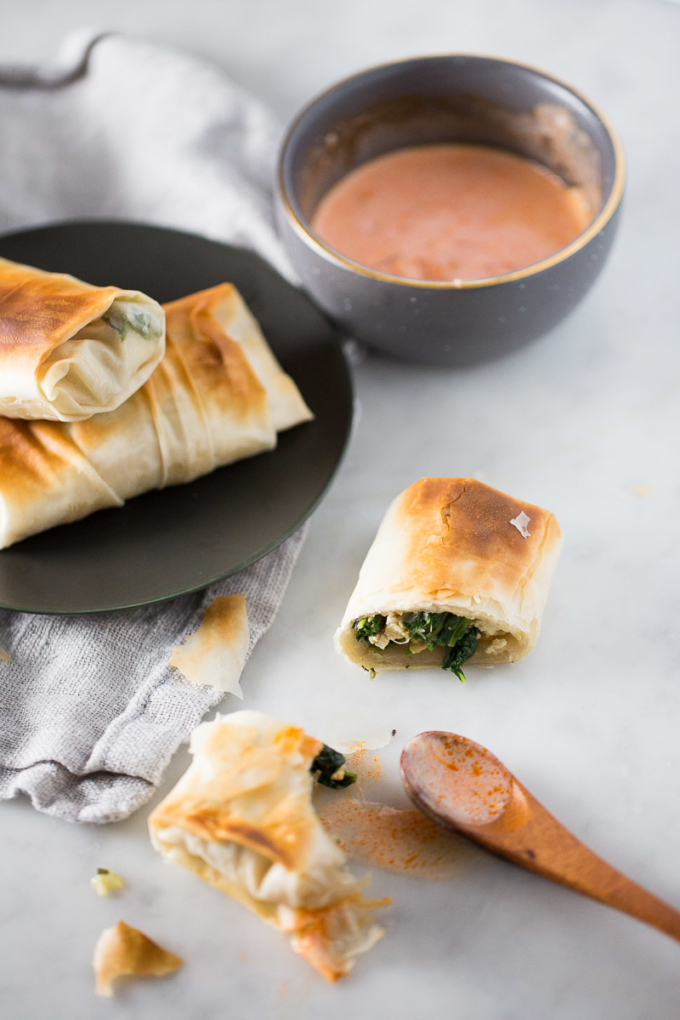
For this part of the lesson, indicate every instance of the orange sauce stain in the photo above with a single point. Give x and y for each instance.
(397, 839)
(365, 763)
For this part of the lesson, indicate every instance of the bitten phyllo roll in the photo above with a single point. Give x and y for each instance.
(242, 819)
(458, 573)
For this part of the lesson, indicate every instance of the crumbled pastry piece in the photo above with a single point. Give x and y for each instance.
(242, 819)
(215, 654)
(124, 951)
(106, 882)
(4, 656)
(644, 491)
(352, 731)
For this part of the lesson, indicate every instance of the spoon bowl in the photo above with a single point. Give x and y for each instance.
(458, 783)
(462, 786)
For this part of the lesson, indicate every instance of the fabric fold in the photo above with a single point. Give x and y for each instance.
(90, 710)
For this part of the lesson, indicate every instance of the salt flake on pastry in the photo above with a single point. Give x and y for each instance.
(520, 522)
(124, 951)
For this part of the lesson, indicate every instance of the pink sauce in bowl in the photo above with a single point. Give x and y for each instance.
(450, 212)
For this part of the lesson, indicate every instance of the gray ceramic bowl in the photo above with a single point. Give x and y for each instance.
(444, 99)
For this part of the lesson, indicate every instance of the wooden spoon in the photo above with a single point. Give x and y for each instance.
(462, 786)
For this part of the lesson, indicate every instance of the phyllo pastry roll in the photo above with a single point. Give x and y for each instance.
(69, 350)
(242, 819)
(217, 396)
(458, 572)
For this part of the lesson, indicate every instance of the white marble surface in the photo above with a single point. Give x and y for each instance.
(589, 722)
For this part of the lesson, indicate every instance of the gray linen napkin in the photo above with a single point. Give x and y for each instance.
(90, 712)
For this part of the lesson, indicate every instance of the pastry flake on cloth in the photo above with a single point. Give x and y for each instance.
(451, 578)
(125, 951)
(242, 819)
(4, 656)
(216, 653)
(70, 350)
(217, 396)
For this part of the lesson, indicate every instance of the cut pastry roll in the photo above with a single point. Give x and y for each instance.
(208, 403)
(69, 350)
(458, 573)
(242, 819)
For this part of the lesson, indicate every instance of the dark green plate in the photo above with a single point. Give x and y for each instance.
(182, 539)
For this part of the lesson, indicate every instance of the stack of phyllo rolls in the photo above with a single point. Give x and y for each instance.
(106, 394)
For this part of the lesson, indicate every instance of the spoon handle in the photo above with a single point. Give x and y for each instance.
(541, 844)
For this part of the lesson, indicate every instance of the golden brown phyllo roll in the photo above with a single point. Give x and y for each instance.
(217, 396)
(69, 350)
(458, 572)
(242, 819)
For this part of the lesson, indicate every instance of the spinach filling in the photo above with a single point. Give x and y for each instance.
(139, 321)
(328, 769)
(368, 626)
(435, 630)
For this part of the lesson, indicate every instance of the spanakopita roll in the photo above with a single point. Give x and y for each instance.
(458, 572)
(218, 395)
(242, 819)
(69, 350)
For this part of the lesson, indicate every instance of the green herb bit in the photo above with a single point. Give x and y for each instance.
(368, 626)
(455, 633)
(460, 652)
(435, 629)
(328, 769)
